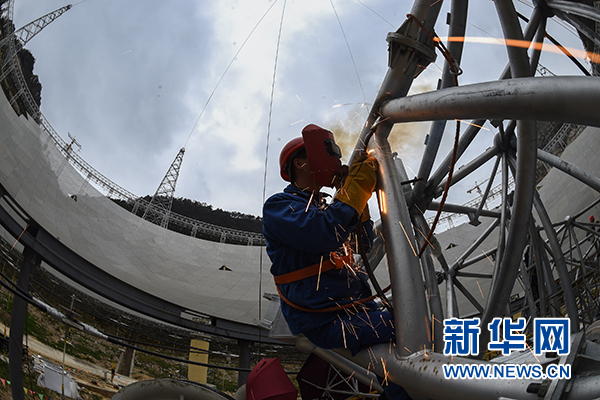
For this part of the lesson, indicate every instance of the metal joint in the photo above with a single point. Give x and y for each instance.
(457, 70)
(399, 43)
(544, 7)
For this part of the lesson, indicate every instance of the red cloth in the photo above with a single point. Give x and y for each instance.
(268, 380)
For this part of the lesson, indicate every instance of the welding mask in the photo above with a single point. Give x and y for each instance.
(324, 156)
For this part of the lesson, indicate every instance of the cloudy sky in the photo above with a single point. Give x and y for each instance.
(134, 81)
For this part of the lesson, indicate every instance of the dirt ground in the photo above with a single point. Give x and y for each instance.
(89, 377)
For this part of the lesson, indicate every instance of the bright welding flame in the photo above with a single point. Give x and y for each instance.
(382, 201)
(581, 54)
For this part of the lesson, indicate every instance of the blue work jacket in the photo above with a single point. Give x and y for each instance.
(300, 234)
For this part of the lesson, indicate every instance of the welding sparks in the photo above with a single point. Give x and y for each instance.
(428, 242)
(16, 241)
(581, 54)
(319, 276)
(480, 291)
(489, 259)
(385, 372)
(371, 324)
(410, 169)
(529, 347)
(343, 332)
(337, 235)
(350, 377)
(309, 201)
(407, 238)
(470, 123)
(373, 359)
(432, 331)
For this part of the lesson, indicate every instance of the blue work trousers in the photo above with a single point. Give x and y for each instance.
(353, 330)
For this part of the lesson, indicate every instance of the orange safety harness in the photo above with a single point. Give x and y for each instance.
(336, 262)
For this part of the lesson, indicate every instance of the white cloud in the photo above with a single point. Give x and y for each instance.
(129, 80)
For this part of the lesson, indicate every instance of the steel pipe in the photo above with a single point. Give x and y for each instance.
(561, 267)
(422, 375)
(460, 209)
(433, 291)
(468, 295)
(475, 244)
(508, 269)
(469, 168)
(442, 170)
(362, 375)
(410, 307)
(571, 7)
(458, 23)
(564, 99)
(571, 169)
(473, 129)
(31, 262)
(404, 66)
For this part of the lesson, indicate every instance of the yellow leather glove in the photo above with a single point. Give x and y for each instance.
(366, 215)
(359, 184)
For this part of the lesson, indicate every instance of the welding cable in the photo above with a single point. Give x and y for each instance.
(178, 349)
(117, 342)
(370, 270)
(112, 340)
(109, 338)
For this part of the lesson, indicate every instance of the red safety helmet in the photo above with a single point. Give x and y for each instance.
(288, 150)
(322, 152)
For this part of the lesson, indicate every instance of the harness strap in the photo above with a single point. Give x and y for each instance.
(329, 309)
(334, 262)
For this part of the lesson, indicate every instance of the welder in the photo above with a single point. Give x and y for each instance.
(312, 244)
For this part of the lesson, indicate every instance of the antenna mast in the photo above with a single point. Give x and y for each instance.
(12, 42)
(159, 209)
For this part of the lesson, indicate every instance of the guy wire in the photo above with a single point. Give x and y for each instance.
(267, 150)
(225, 72)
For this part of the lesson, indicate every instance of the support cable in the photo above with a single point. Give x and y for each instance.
(270, 119)
(374, 12)
(370, 270)
(225, 72)
(349, 50)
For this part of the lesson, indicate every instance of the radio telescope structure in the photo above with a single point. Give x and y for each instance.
(525, 247)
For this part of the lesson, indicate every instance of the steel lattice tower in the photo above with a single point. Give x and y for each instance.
(159, 208)
(14, 41)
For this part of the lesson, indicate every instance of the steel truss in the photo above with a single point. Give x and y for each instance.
(554, 264)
